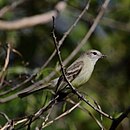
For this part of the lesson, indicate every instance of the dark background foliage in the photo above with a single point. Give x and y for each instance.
(109, 84)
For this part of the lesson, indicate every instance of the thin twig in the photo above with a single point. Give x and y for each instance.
(68, 82)
(34, 117)
(10, 7)
(87, 101)
(47, 117)
(99, 107)
(18, 85)
(91, 115)
(118, 120)
(85, 39)
(28, 89)
(3, 72)
(67, 33)
(45, 64)
(33, 20)
(109, 22)
(77, 48)
(62, 115)
(89, 33)
(57, 47)
(95, 102)
(5, 116)
(45, 108)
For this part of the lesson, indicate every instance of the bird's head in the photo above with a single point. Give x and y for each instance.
(94, 55)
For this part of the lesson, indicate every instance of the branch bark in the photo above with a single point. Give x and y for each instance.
(118, 120)
(33, 20)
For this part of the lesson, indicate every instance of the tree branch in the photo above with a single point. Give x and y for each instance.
(68, 82)
(34, 20)
(118, 120)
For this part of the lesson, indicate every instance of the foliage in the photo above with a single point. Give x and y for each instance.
(109, 84)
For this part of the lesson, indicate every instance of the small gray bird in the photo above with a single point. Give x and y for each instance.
(77, 73)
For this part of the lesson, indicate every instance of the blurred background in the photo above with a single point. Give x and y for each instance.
(109, 84)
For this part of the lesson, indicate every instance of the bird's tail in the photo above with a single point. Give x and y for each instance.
(39, 88)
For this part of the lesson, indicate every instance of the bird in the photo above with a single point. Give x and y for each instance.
(78, 73)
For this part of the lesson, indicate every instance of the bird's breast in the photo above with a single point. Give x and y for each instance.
(84, 75)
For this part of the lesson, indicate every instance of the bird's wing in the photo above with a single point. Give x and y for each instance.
(71, 73)
(74, 70)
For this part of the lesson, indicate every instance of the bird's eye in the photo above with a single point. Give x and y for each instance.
(95, 53)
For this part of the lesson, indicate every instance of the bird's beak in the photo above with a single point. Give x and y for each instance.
(103, 56)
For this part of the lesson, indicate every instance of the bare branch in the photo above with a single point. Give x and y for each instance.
(62, 115)
(118, 120)
(87, 111)
(109, 22)
(47, 117)
(89, 33)
(39, 83)
(34, 20)
(10, 7)
(67, 33)
(69, 83)
(3, 72)
(85, 39)
(5, 116)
